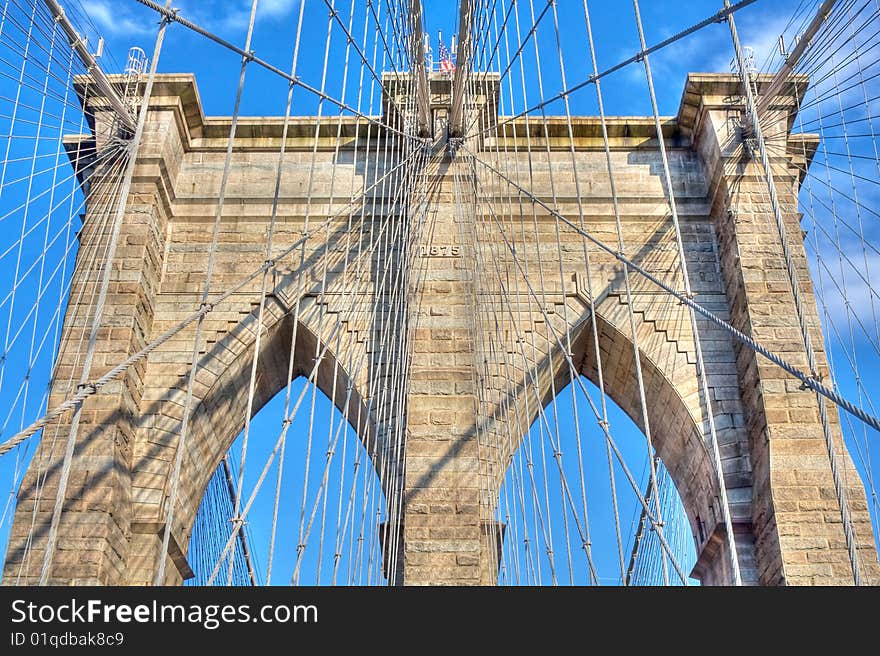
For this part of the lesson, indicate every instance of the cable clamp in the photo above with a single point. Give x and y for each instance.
(206, 307)
(169, 16)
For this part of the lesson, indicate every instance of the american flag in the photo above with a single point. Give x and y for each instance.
(446, 65)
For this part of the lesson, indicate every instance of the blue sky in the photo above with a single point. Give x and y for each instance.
(127, 23)
(124, 23)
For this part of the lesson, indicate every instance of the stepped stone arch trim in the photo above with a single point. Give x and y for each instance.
(219, 417)
(220, 404)
(675, 420)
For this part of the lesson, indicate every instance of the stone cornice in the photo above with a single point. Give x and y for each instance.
(703, 92)
(707, 91)
(179, 93)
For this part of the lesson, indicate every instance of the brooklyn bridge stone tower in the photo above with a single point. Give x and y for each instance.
(785, 515)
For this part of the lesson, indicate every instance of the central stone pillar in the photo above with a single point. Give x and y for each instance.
(446, 532)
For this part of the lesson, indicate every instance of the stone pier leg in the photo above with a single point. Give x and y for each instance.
(96, 522)
(797, 525)
(446, 532)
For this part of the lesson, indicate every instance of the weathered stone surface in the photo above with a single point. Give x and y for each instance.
(776, 468)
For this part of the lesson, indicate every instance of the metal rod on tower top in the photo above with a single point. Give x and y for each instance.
(795, 56)
(417, 65)
(101, 81)
(462, 68)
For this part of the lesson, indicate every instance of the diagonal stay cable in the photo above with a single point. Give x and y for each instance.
(172, 16)
(808, 381)
(92, 388)
(351, 43)
(719, 17)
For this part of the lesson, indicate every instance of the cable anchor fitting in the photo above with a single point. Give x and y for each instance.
(168, 16)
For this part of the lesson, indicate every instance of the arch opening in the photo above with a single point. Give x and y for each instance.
(318, 429)
(559, 513)
(562, 448)
(330, 505)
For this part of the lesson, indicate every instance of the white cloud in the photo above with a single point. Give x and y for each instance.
(277, 7)
(226, 15)
(710, 50)
(759, 31)
(116, 19)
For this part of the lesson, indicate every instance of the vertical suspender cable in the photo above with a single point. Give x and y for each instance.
(701, 369)
(840, 491)
(121, 201)
(187, 409)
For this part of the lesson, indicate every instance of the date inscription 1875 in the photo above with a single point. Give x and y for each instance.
(436, 250)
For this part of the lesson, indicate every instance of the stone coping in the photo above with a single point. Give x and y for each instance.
(702, 92)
